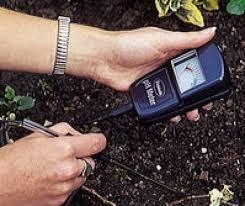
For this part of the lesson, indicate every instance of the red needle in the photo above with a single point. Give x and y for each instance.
(188, 69)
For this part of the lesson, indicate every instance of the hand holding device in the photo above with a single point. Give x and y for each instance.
(186, 82)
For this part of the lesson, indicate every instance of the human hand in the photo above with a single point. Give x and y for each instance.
(137, 52)
(117, 59)
(38, 170)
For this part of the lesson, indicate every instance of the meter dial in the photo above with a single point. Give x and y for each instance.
(189, 74)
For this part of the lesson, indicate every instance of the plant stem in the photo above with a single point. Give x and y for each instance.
(192, 197)
(93, 192)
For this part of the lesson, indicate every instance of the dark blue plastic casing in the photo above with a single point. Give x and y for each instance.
(158, 96)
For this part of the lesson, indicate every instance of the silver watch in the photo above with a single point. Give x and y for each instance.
(62, 45)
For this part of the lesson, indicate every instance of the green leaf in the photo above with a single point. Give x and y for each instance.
(175, 5)
(236, 7)
(162, 7)
(9, 93)
(183, 2)
(2, 102)
(197, 2)
(24, 102)
(210, 5)
(191, 14)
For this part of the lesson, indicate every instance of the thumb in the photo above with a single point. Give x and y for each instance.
(189, 40)
(85, 145)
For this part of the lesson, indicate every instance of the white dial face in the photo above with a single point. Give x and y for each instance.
(188, 72)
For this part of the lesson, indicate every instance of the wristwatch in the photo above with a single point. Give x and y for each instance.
(62, 45)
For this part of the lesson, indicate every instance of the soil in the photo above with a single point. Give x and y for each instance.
(177, 148)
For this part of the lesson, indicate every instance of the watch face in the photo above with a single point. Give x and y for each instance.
(188, 71)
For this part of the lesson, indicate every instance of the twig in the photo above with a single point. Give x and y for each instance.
(134, 172)
(93, 192)
(192, 197)
(229, 204)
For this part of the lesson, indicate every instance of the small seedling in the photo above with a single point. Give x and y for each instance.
(44, 87)
(15, 102)
(186, 10)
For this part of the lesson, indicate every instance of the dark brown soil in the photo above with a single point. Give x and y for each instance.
(177, 148)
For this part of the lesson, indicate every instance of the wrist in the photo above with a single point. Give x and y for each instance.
(88, 48)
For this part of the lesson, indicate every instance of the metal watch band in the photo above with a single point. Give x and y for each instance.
(62, 45)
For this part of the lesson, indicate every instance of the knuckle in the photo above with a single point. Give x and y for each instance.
(70, 171)
(64, 172)
(152, 28)
(64, 124)
(68, 150)
(62, 127)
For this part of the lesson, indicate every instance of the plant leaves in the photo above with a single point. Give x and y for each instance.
(191, 14)
(162, 7)
(2, 102)
(24, 102)
(210, 5)
(236, 7)
(197, 2)
(9, 93)
(175, 5)
(188, 1)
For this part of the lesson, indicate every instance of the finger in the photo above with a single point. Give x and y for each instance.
(66, 188)
(78, 182)
(188, 40)
(83, 165)
(64, 128)
(208, 106)
(176, 119)
(85, 145)
(193, 115)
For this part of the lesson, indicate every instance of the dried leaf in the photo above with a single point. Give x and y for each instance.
(12, 116)
(215, 197)
(227, 193)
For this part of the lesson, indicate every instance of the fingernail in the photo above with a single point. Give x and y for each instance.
(209, 107)
(176, 119)
(196, 118)
(210, 30)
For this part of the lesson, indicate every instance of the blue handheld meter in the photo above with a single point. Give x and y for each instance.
(188, 81)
